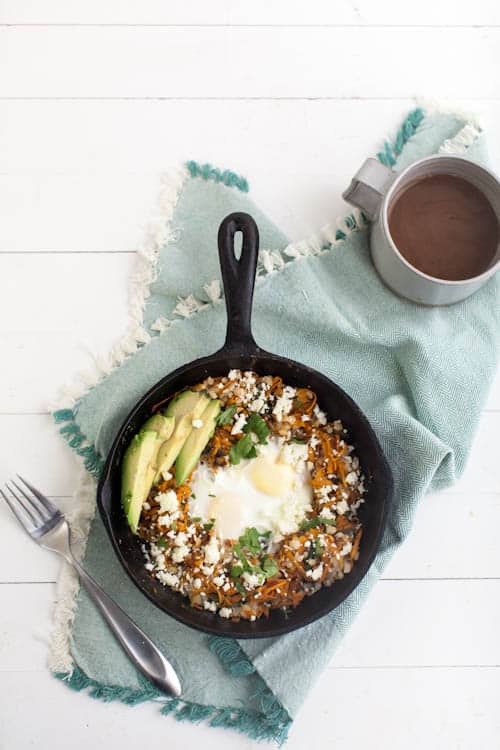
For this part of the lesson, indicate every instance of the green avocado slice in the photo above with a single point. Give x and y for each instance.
(196, 442)
(184, 408)
(136, 471)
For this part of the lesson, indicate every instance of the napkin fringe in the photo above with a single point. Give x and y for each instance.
(273, 723)
(209, 172)
(231, 656)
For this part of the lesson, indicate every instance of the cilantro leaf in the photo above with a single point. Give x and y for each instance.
(258, 426)
(244, 448)
(270, 567)
(310, 523)
(318, 547)
(236, 571)
(241, 589)
(226, 416)
(208, 526)
(250, 540)
(196, 519)
(161, 543)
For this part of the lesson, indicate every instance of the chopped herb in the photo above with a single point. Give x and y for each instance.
(173, 525)
(270, 567)
(208, 526)
(226, 416)
(236, 571)
(196, 519)
(299, 442)
(193, 496)
(258, 426)
(244, 448)
(318, 547)
(265, 534)
(161, 543)
(241, 589)
(250, 540)
(310, 523)
(210, 494)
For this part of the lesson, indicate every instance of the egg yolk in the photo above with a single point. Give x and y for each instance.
(272, 478)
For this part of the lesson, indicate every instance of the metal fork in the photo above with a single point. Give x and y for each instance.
(47, 526)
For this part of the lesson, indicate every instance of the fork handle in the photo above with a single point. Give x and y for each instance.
(137, 645)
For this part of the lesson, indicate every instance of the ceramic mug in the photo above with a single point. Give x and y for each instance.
(373, 188)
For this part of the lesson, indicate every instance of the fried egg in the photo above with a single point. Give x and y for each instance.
(272, 492)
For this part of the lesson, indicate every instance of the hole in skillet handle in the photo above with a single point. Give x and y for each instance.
(238, 276)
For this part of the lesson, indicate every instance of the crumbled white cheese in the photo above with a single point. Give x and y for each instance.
(320, 415)
(313, 442)
(197, 583)
(351, 478)
(146, 506)
(149, 566)
(212, 553)
(207, 570)
(197, 423)
(168, 501)
(315, 573)
(219, 580)
(225, 612)
(284, 403)
(342, 507)
(294, 453)
(168, 518)
(251, 580)
(211, 606)
(257, 405)
(180, 539)
(180, 553)
(166, 475)
(233, 374)
(170, 579)
(346, 548)
(240, 422)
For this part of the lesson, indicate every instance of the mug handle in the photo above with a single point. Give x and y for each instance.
(368, 187)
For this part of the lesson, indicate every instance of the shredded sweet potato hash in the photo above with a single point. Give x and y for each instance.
(249, 576)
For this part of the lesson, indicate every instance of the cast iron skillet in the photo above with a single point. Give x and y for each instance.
(240, 351)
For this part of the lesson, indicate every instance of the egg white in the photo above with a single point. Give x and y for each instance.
(271, 492)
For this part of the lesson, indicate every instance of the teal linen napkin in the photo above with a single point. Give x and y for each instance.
(420, 374)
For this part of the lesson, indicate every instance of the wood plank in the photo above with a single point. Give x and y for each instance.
(232, 12)
(446, 623)
(427, 708)
(32, 446)
(452, 707)
(86, 173)
(59, 355)
(291, 62)
(434, 549)
(443, 622)
(31, 441)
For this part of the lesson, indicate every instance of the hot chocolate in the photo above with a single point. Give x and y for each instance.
(444, 226)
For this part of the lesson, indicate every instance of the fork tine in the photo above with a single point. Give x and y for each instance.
(36, 507)
(22, 520)
(44, 500)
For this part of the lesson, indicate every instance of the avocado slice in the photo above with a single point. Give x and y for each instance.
(196, 443)
(164, 427)
(185, 407)
(136, 470)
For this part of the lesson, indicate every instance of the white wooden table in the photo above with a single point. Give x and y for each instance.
(95, 100)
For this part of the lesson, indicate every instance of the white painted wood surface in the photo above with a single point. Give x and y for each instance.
(96, 99)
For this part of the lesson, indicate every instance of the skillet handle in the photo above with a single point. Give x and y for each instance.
(238, 276)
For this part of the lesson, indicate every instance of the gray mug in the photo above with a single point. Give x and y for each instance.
(372, 189)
